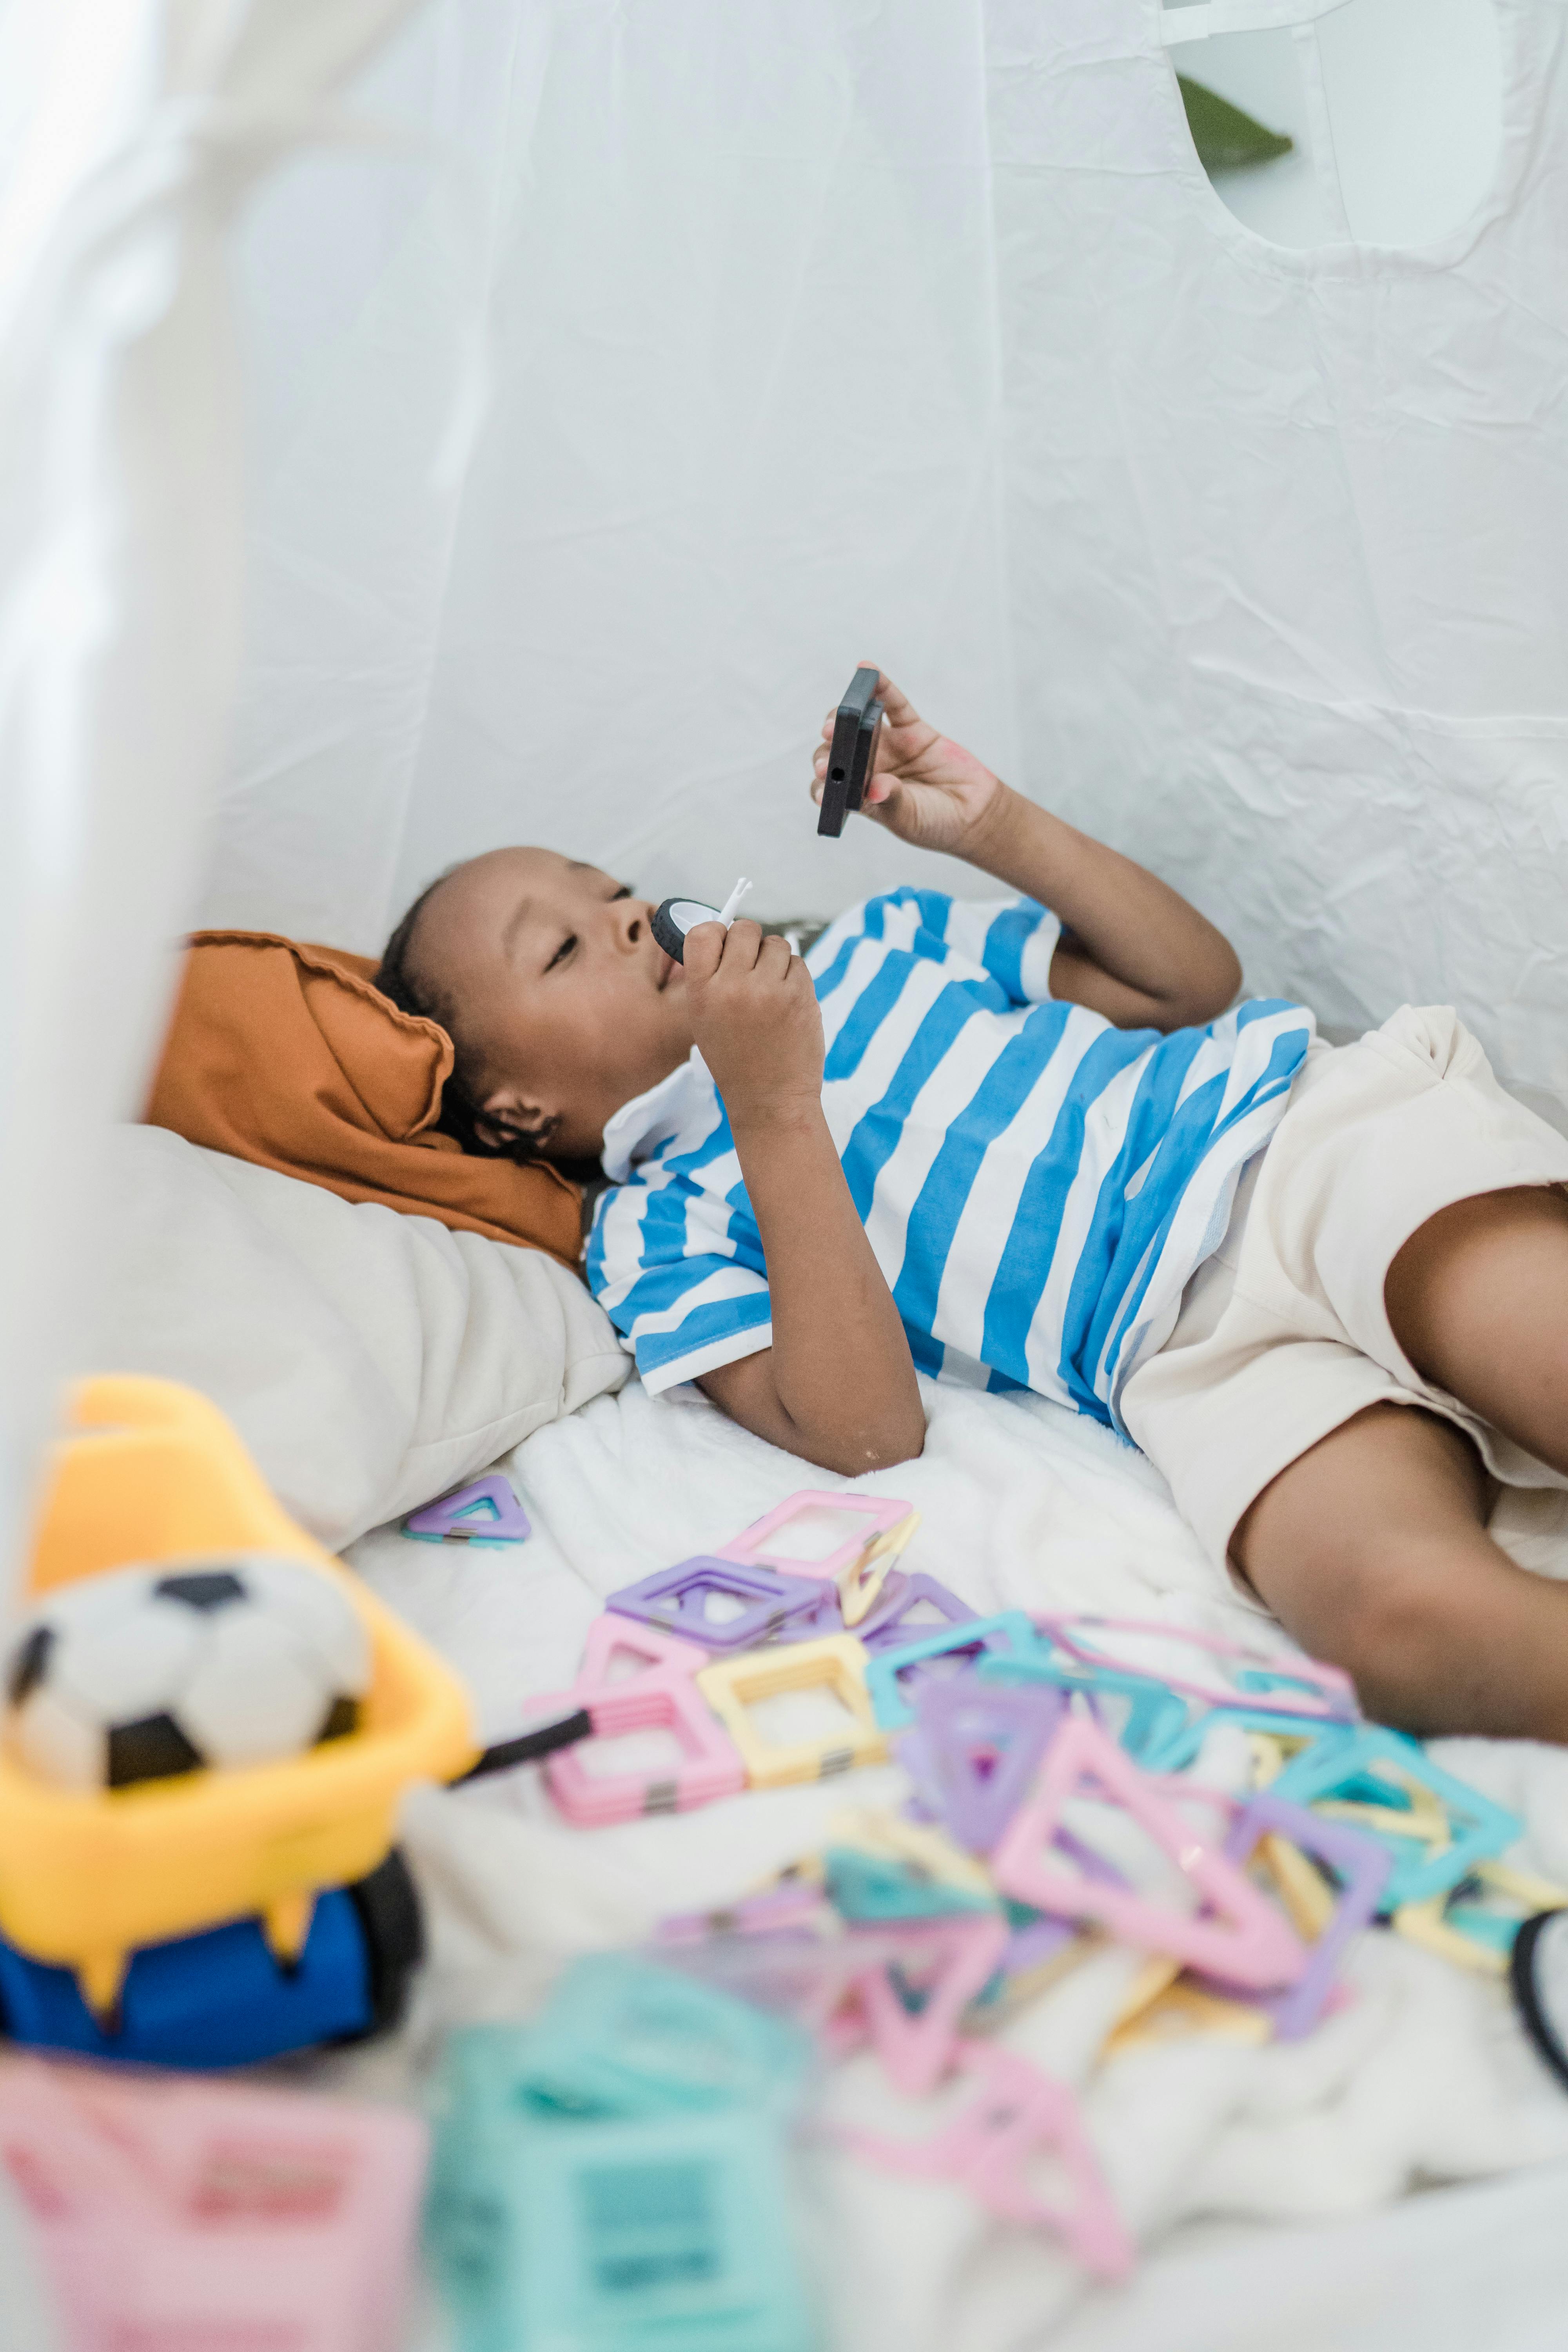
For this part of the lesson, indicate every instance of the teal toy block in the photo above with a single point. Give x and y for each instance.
(1345, 1769)
(868, 1889)
(1009, 1633)
(616, 2177)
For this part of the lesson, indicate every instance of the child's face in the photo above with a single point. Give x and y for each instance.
(566, 1004)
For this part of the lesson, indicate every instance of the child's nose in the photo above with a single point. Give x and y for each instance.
(631, 920)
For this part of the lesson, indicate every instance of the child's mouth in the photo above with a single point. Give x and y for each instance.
(668, 965)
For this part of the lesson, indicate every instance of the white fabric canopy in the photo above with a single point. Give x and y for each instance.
(647, 368)
(811, 333)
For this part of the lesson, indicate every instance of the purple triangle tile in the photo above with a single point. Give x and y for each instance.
(486, 1511)
(979, 1745)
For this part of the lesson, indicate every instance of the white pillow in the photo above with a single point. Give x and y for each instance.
(369, 1360)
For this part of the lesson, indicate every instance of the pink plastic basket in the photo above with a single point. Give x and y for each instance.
(175, 2213)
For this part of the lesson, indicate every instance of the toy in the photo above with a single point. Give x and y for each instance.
(598, 2235)
(1236, 1934)
(1362, 1869)
(852, 752)
(1392, 1769)
(914, 2004)
(876, 1888)
(795, 1909)
(678, 1601)
(1219, 1670)
(172, 2213)
(827, 1616)
(710, 1767)
(1017, 2113)
(611, 1637)
(559, 1725)
(925, 1848)
(87, 1880)
(142, 1673)
(1143, 1716)
(626, 2035)
(220, 1999)
(617, 2173)
(673, 917)
(887, 1626)
(486, 1513)
(859, 1566)
(972, 1752)
(838, 1661)
(1477, 1926)
(1176, 1742)
(1180, 2008)
(1010, 1632)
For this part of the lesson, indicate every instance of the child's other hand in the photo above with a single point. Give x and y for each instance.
(755, 1022)
(926, 789)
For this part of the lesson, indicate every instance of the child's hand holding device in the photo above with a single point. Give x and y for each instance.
(756, 1023)
(925, 788)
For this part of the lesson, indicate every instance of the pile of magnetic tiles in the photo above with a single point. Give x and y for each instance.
(1075, 1778)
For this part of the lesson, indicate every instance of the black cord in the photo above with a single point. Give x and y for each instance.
(528, 1747)
(1527, 1999)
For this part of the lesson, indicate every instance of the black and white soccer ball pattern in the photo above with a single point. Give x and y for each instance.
(145, 1672)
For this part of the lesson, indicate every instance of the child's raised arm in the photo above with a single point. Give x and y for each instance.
(1130, 947)
(838, 1383)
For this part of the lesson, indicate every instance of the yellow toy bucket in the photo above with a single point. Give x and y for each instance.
(157, 1475)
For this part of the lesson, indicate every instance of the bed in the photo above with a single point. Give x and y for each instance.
(1393, 2180)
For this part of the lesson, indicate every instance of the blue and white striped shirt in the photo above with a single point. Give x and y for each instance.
(1038, 1186)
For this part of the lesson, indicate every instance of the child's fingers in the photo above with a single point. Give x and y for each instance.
(897, 708)
(775, 958)
(703, 949)
(742, 944)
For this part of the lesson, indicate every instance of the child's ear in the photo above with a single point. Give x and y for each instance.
(504, 1120)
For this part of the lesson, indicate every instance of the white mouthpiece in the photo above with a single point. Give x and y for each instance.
(728, 910)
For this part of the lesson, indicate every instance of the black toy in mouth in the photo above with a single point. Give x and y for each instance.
(673, 917)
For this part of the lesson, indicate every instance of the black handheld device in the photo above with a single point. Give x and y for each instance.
(851, 752)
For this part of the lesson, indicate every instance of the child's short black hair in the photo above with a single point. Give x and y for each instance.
(398, 981)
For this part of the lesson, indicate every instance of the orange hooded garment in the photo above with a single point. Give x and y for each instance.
(288, 1056)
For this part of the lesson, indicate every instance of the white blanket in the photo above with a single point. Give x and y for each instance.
(1423, 2078)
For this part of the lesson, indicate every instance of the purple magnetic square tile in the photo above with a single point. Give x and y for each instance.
(675, 1600)
(887, 1626)
(1361, 1863)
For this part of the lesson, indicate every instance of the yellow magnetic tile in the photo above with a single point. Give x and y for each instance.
(837, 1663)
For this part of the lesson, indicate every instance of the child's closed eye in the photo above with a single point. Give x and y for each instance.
(569, 943)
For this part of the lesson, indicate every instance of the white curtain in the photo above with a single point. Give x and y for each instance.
(664, 359)
(811, 330)
(733, 274)
(129, 132)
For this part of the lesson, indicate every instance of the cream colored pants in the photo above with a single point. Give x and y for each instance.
(1283, 1334)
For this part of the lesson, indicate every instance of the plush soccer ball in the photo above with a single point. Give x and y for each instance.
(145, 1672)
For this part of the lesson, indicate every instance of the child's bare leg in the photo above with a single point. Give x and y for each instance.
(1478, 1301)
(1371, 1549)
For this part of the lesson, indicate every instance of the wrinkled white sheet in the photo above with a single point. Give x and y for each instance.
(1424, 2079)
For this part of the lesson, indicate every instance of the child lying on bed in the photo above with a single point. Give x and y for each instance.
(1032, 1149)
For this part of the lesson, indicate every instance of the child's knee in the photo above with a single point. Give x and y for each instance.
(1406, 1620)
